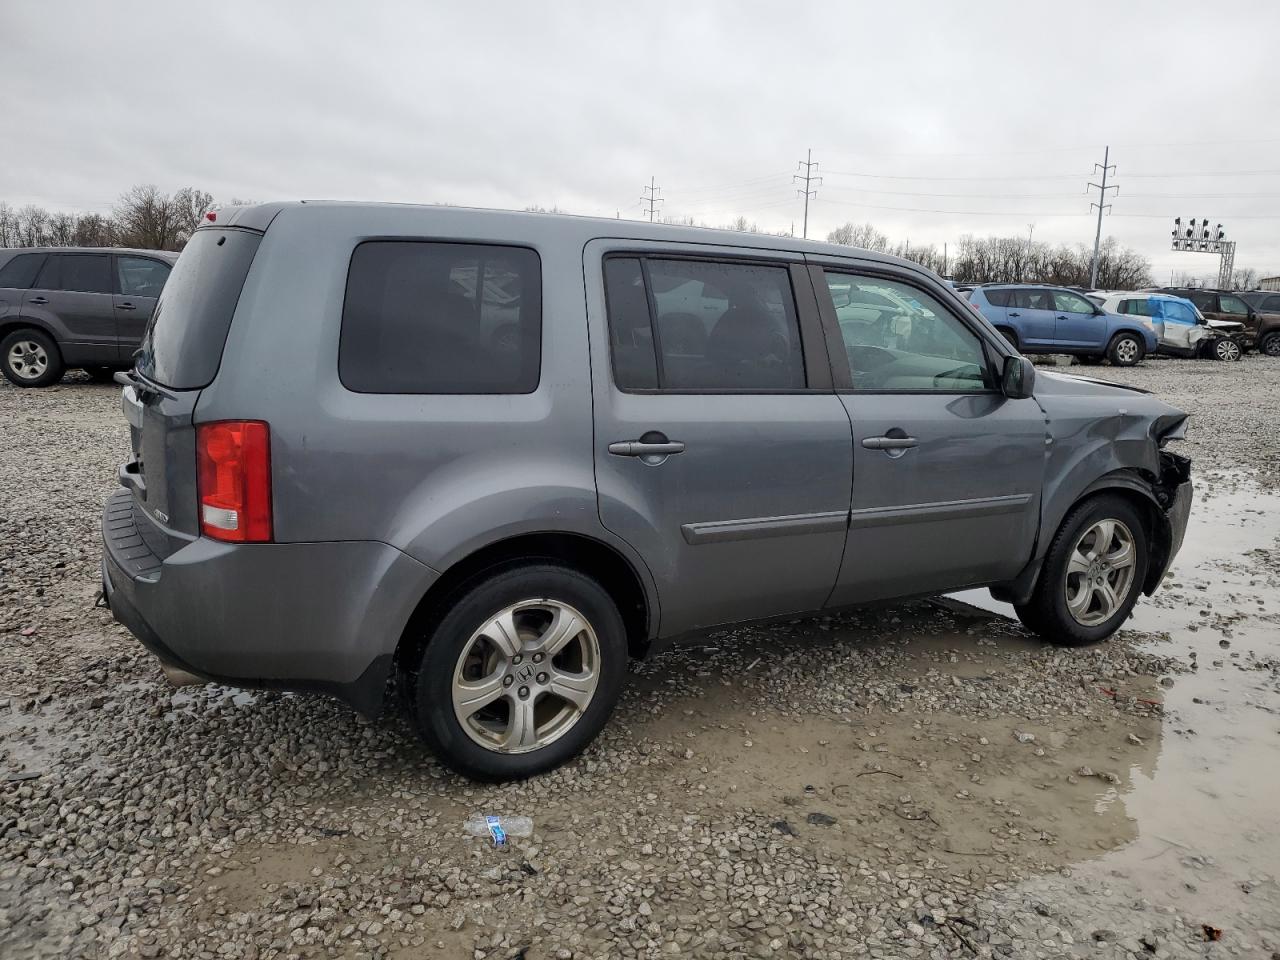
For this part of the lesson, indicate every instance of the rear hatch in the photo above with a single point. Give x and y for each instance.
(179, 356)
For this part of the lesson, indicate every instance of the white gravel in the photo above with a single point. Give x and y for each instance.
(834, 787)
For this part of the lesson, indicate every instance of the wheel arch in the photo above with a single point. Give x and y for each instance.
(620, 577)
(9, 324)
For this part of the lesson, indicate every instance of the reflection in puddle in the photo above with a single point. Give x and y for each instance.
(1206, 814)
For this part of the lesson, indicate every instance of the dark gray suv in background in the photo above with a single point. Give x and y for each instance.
(75, 307)
(494, 455)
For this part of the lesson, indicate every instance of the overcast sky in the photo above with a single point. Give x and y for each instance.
(928, 120)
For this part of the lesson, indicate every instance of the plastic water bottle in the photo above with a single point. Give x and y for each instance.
(498, 828)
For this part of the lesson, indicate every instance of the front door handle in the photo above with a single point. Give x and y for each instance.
(1061, 317)
(125, 306)
(640, 448)
(38, 300)
(889, 443)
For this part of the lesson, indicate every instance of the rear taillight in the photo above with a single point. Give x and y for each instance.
(234, 480)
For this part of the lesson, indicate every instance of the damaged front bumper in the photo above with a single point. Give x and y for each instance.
(1173, 493)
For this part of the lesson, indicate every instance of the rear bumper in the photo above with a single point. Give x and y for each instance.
(295, 616)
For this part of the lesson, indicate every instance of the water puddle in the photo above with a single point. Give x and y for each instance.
(1206, 811)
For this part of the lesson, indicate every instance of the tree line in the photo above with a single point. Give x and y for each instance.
(1012, 259)
(143, 217)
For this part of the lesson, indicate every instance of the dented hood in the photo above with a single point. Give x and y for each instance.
(1085, 406)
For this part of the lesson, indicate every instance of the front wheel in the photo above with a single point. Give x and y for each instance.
(1092, 574)
(521, 673)
(1270, 344)
(1125, 350)
(1226, 350)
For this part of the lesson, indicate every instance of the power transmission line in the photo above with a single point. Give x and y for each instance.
(810, 182)
(651, 198)
(1102, 206)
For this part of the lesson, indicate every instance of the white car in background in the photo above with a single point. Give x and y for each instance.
(1183, 330)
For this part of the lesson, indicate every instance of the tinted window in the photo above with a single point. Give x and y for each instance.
(898, 337)
(77, 273)
(20, 272)
(1271, 304)
(141, 276)
(724, 326)
(999, 298)
(1146, 307)
(635, 365)
(441, 318)
(1031, 299)
(1205, 301)
(1232, 305)
(1069, 302)
(183, 344)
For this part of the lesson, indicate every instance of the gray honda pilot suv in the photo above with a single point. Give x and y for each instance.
(492, 456)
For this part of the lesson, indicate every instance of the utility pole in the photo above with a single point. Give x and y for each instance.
(651, 197)
(810, 183)
(1102, 206)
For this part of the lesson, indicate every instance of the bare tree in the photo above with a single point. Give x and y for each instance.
(859, 235)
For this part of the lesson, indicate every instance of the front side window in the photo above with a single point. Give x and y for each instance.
(20, 272)
(422, 317)
(77, 273)
(689, 325)
(1232, 305)
(1173, 311)
(141, 276)
(899, 338)
(1068, 302)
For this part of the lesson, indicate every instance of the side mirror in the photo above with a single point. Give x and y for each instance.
(1018, 378)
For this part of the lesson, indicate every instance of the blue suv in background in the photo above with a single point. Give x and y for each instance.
(1041, 319)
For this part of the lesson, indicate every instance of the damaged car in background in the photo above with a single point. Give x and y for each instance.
(677, 429)
(1183, 330)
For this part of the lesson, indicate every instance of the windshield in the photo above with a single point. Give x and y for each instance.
(183, 343)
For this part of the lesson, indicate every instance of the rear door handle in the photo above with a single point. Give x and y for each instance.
(889, 443)
(638, 448)
(39, 300)
(1015, 314)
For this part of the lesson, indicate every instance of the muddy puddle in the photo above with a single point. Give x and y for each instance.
(1206, 811)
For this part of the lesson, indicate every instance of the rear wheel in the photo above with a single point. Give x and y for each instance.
(1092, 574)
(30, 358)
(1226, 349)
(1009, 335)
(100, 374)
(1125, 350)
(521, 673)
(1270, 344)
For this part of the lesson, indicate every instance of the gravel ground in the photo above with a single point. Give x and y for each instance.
(922, 780)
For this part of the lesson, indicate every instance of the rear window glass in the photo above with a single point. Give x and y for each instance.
(998, 298)
(77, 273)
(423, 317)
(183, 344)
(20, 272)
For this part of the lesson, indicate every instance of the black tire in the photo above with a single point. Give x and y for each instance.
(1009, 335)
(434, 714)
(1047, 613)
(53, 367)
(1270, 344)
(1226, 350)
(101, 374)
(1126, 350)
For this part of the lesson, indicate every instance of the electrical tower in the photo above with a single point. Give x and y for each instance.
(1102, 206)
(1193, 239)
(651, 198)
(810, 184)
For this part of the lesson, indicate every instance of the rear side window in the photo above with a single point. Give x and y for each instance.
(183, 343)
(20, 272)
(76, 273)
(1031, 299)
(689, 325)
(999, 298)
(1271, 304)
(423, 317)
(1205, 301)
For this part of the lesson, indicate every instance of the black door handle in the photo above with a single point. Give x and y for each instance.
(39, 300)
(1061, 317)
(1015, 314)
(889, 443)
(125, 306)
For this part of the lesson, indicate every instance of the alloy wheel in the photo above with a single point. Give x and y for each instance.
(1227, 350)
(1100, 572)
(28, 360)
(526, 676)
(1127, 350)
